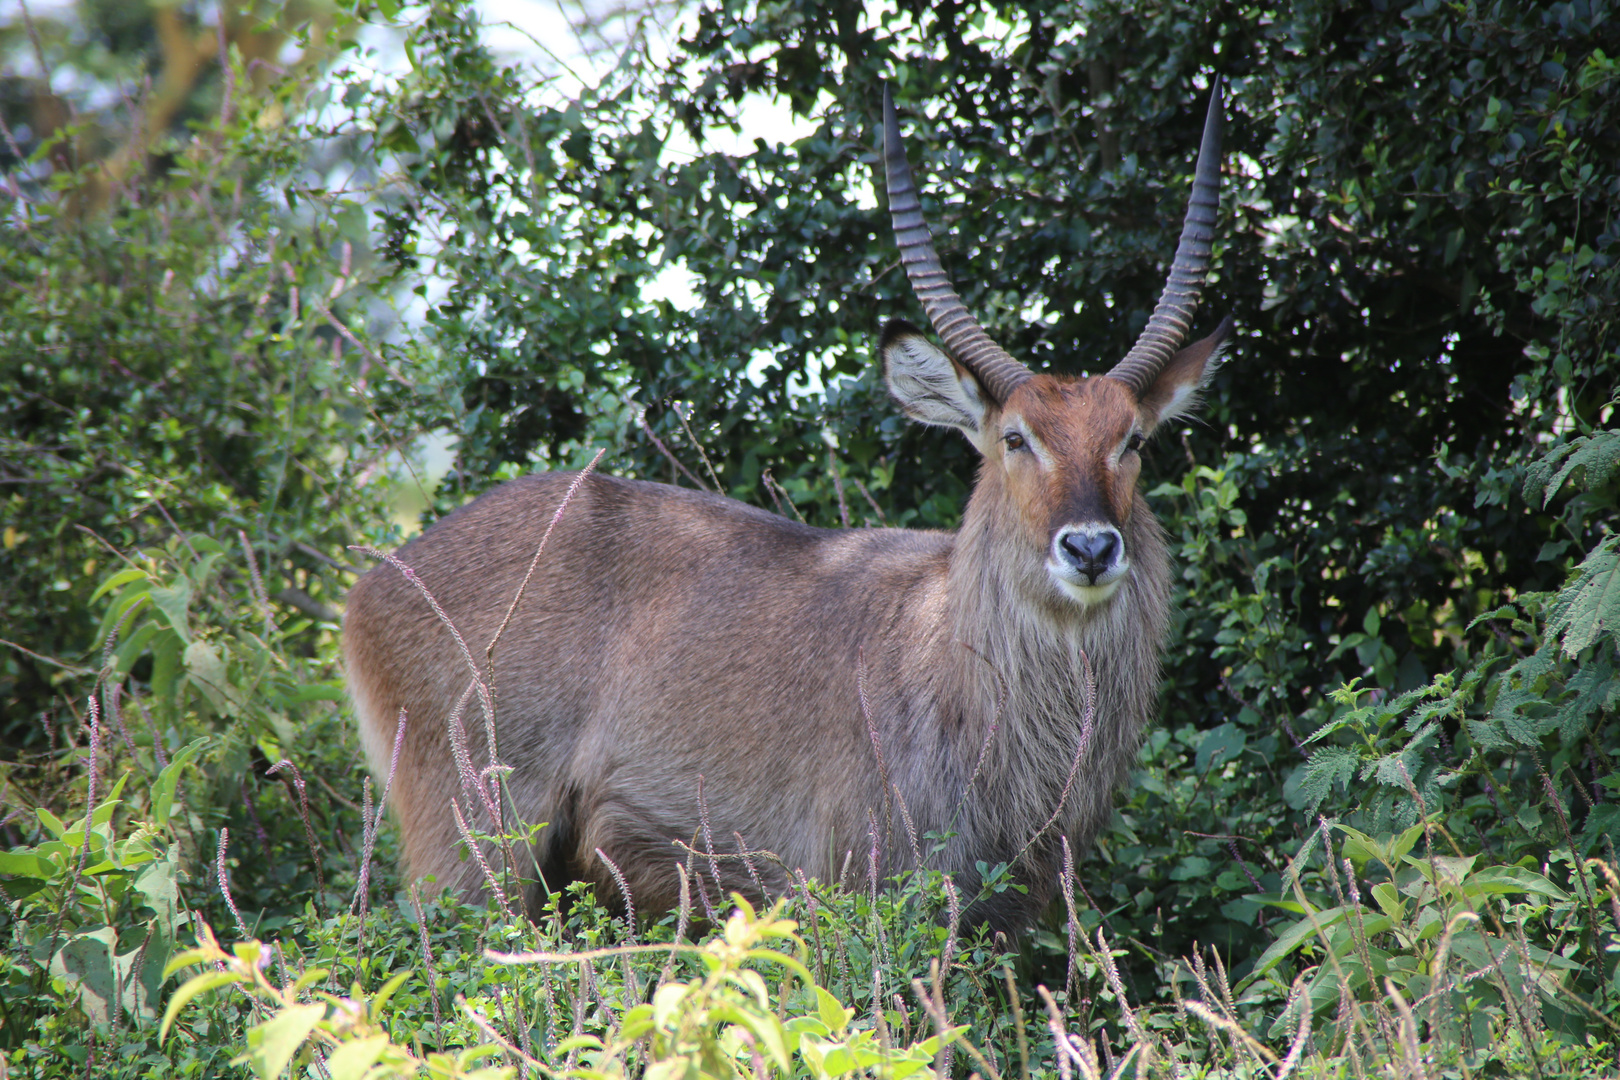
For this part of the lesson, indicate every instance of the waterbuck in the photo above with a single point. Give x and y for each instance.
(676, 668)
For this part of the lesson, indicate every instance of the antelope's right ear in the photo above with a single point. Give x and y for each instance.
(1175, 391)
(930, 386)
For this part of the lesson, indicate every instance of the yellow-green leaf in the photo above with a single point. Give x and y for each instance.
(174, 602)
(352, 1060)
(1389, 900)
(379, 1001)
(197, 984)
(272, 1044)
(1292, 938)
(163, 790)
(832, 1011)
(123, 577)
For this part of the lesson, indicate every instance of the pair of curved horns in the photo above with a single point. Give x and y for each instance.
(967, 341)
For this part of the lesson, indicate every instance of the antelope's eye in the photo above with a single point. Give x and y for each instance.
(1134, 442)
(1013, 440)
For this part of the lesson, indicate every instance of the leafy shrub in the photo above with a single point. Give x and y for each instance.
(177, 359)
(716, 1024)
(1397, 637)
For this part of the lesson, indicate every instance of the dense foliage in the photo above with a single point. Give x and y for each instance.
(159, 369)
(1385, 780)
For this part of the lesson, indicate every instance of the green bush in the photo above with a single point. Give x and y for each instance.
(179, 359)
(1372, 835)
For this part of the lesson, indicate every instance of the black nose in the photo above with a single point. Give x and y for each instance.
(1092, 553)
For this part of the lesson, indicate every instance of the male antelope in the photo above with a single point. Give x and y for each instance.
(670, 634)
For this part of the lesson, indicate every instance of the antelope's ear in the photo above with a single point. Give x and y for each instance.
(1175, 392)
(930, 386)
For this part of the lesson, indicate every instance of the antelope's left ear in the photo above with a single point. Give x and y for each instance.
(928, 384)
(1175, 392)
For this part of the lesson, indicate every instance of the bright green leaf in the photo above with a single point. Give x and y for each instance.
(272, 1044)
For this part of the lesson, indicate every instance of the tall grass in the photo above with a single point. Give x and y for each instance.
(1408, 957)
(1405, 953)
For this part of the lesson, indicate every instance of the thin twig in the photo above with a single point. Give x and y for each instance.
(777, 489)
(646, 429)
(698, 446)
(838, 487)
(365, 350)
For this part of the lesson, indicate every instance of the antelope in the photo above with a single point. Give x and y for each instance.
(682, 672)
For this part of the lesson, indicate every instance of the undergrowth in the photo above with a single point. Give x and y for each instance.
(1434, 941)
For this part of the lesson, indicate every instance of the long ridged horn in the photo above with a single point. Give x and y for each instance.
(1167, 328)
(964, 338)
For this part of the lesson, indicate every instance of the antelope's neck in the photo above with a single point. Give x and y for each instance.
(1026, 646)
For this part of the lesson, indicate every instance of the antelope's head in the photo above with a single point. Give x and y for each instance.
(1064, 450)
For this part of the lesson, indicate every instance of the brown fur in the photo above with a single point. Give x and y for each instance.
(670, 634)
